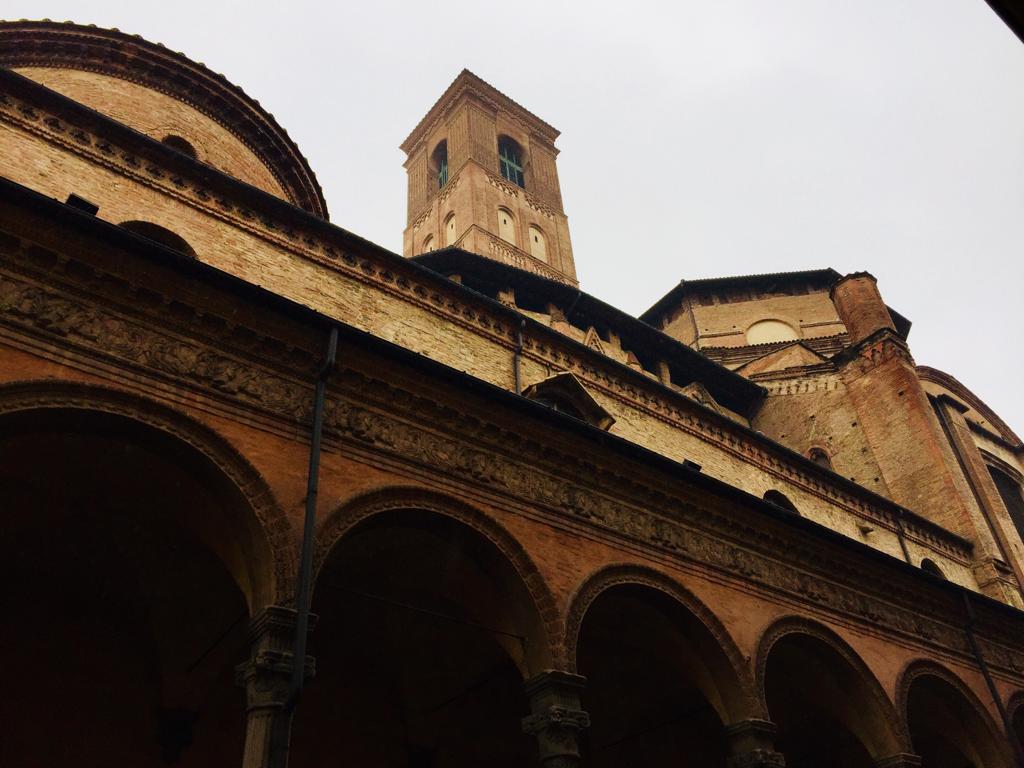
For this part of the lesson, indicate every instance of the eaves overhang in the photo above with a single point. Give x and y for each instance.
(735, 392)
(79, 222)
(742, 502)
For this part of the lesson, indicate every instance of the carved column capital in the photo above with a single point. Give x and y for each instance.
(265, 677)
(752, 745)
(556, 717)
(902, 760)
(266, 674)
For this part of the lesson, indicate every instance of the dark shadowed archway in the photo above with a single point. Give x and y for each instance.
(427, 630)
(827, 705)
(130, 556)
(1015, 712)
(948, 725)
(663, 676)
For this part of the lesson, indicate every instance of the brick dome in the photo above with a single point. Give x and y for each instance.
(164, 92)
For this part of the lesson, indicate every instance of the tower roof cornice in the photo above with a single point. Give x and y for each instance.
(469, 84)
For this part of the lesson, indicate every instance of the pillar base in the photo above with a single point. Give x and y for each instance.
(902, 760)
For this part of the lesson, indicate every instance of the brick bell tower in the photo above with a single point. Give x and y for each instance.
(482, 177)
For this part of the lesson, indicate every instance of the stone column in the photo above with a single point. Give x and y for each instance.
(752, 745)
(556, 717)
(902, 760)
(265, 677)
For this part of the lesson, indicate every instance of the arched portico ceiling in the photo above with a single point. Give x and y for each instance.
(273, 554)
(861, 704)
(965, 712)
(540, 651)
(734, 692)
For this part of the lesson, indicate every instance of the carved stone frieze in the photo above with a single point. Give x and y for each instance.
(102, 332)
(551, 351)
(679, 528)
(48, 312)
(280, 536)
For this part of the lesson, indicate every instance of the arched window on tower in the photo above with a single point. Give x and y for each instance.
(449, 229)
(510, 160)
(439, 162)
(428, 244)
(538, 245)
(506, 226)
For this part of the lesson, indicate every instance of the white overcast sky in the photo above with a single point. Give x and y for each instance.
(700, 137)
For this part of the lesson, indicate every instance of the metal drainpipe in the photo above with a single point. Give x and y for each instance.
(976, 650)
(279, 735)
(516, 355)
(572, 306)
(901, 535)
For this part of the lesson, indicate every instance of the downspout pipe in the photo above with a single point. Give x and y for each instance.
(517, 356)
(901, 534)
(568, 312)
(279, 738)
(972, 641)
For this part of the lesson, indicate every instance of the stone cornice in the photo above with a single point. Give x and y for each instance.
(468, 84)
(627, 502)
(306, 237)
(658, 511)
(212, 369)
(127, 57)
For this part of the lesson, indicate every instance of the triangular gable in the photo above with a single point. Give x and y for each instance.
(795, 355)
(698, 392)
(593, 340)
(566, 393)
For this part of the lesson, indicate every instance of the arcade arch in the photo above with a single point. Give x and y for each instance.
(948, 725)
(430, 621)
(146, 538)
(663, 676)
(827, 705)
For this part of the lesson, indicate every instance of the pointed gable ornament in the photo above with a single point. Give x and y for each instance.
(697, 391)
(565, 393)
(593, 341)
